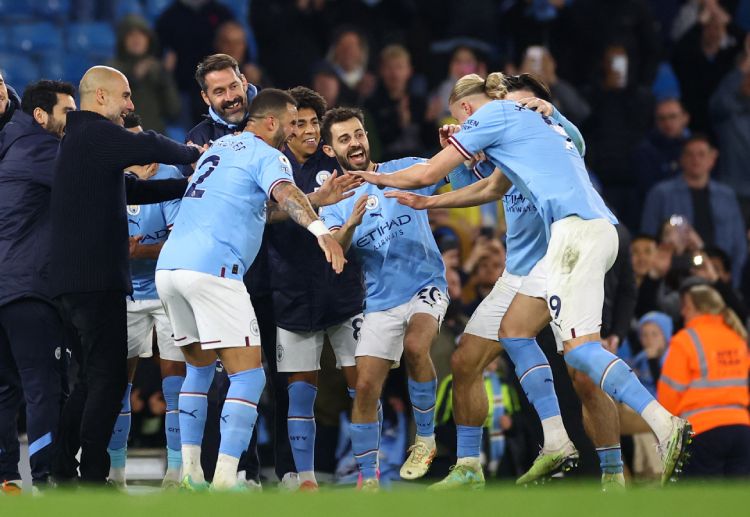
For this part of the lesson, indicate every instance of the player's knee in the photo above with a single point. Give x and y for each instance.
(584, 387)
(511, 329)
(367, 390)
(461, 364)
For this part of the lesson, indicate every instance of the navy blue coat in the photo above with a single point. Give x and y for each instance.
(27, 164)
(307, 294)
(15, 104)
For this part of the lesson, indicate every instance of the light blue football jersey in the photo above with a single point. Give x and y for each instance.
(394, 243)
(152, 223)
(536, 154)
(220, 224)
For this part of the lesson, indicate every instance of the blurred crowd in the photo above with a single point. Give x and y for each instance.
(660, 90)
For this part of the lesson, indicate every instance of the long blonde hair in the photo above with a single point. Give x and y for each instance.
(493, 87)
(707, 300)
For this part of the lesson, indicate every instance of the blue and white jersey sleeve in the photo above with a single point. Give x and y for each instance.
(272, 169)
(485, 128)
(170, 208)
(332, 215)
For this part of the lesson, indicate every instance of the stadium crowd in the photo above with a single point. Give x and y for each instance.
(660, 90)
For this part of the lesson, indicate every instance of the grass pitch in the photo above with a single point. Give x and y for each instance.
(683, 499)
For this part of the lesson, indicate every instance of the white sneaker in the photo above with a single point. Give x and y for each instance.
(290, 482)
(253, 486)
(420, 458)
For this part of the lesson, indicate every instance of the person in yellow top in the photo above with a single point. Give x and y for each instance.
(705, 380)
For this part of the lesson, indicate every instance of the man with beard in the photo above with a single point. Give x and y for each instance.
(227, 94)
(32, 348)
(200, 271)
(405, 299)
(309, 300)
(9, 102)
(89, 271)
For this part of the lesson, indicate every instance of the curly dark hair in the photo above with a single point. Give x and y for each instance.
(336, 115)
(307, 98)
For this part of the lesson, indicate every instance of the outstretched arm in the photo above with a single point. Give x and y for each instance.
(295, 203)
(479, 193)
(418, 175)
(345, 234)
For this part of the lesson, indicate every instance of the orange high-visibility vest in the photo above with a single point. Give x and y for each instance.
(705, 375)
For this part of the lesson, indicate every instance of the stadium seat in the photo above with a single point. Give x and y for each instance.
(96, 39)
(51, 9)
(18, 70)
(74, 66)
(13, 10)
(240, 9)
(128, 7)
(34, 37)
(155, 7)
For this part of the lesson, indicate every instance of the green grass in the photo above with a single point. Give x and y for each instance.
(704, 500)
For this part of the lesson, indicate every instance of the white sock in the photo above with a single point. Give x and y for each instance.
(307, 476)
(427, 440)
(658, 419)
(225, 475)
(172, 474)
(470, 461)
(555, 435)
(191, 462)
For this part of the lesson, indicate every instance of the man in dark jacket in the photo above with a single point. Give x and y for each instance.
(90, 269)
(310, 303)
(9, 102)
(32, 345)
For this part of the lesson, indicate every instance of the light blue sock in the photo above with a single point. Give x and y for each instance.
(118, 443)
(535, 375)
(301, 424)
(193, 403)
(497, 446)
(240, 411)
(610, 459)
(422, 395)
(353, 393)
(170, 387)
(469, 441)
(365, 439)
(611, 373)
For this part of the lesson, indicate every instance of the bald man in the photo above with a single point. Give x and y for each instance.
(89, 270)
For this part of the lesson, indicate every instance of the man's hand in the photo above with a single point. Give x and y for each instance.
(539, 105)
(335, 188)
(333, 252)
(143, 172)
(446, 131)
(410, 199)
(368, 176)
(355, 218)
(611, 343)
(133, 245)
(201, 148)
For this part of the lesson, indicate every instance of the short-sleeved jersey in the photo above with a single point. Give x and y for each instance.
(536, 154)
(394, 243)
(220, 224)
(152, 223)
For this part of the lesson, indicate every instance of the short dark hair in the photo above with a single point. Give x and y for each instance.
(43, 94)
(714, 252)
(214, 63)
(698, 137)
(336, 115)
(307, 98)
(131, 120)
(270, 100)
(528, 82)
(643, 237)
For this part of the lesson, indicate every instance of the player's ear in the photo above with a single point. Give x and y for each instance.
(205, 98)
(41, 117)
(329, 151)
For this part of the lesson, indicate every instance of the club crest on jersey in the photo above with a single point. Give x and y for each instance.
(321, 177)
(372, 202)
(286, 166)
(134, 209)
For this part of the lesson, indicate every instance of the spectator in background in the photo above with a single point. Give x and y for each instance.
(186, 30)
(231, 39)
(485, 271)
(709, 206)
(620, 117)
(539, 62)
(464, 61)
(398, 115)
(702, 57)
(326, 83)
(730, 114)
(705, 379)
(619, 295)
(9, 102)
(348, 57)
(152, 85)
(657, 156)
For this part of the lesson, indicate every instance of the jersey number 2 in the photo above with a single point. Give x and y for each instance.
(194, 191)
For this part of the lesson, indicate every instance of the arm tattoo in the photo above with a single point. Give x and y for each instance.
(295, 203)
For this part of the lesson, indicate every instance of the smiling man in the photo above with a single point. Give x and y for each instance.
(89, 269)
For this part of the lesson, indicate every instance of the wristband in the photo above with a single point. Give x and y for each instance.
(317, 228)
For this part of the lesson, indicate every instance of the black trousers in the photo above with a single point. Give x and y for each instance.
(33, 360)
(88, 417)
(277, 384)
(720, 452)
